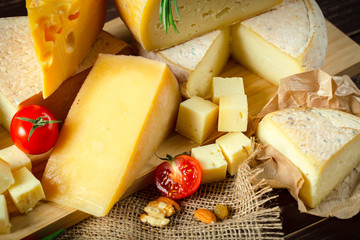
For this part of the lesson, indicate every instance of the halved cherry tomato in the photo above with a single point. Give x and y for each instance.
(178, 177)
(34, 129)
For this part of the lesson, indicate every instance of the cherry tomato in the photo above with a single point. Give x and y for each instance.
(34, 129)
(178, 177)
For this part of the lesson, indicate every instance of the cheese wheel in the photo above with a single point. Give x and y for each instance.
(289, 39)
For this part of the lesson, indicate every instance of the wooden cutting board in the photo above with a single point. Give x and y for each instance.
(343, 57)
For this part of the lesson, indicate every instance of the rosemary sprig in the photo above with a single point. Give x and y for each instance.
(166, 16)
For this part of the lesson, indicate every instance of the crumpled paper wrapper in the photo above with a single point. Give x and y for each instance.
(310, 89)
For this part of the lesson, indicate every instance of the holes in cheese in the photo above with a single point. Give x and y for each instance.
(124, 110)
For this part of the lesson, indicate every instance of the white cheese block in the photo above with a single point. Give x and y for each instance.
(15, 158)
(4, 216)
(197, 118)
(225, 86)
(322, 143)
(197, 18)
(235, 147)
(286, 40)
(212, 162)
(195, 62)
(233, 113)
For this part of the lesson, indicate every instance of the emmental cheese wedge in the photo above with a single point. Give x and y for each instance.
(195, 62)
(197, 18)
(63, 32)
(289, 39)
(322, 143)
(20, 71)
(124, 110)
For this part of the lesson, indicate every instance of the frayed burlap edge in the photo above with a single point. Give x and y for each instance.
(253, 214)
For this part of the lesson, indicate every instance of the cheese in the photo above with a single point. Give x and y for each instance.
(15, 158)
(4, 216)
(226, 86)
(195, 62)
(233, 113)
(26, 191)
(126, 107)
(6, 177)
(322, 143)
(212, 162)
(289, 39)
(63, 32)
(235, 147)
(197, 119)
(197, 18)
(20, 71)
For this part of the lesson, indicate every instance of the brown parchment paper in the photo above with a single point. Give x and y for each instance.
(310, 89)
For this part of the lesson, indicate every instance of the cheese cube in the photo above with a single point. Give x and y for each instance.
(6, 176)
(15, 158)
(197, 118)
(226, 86)
(322, 143)
(125, 109)
(235, 148)
(212, 162)
(4, 216)
(233, 113)
(26, 191)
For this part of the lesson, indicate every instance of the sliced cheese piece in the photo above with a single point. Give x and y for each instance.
(233, 113)
(322, 143)
(26, 191)
(20, 71)
(226, 86)
(63, 32)
(197, 18)
(212, 162)
(236, 147)
(124, 110)
(4, 216)
(6, 176)
(195, 62)
(289, 39)
(15, 158)
(197, 118)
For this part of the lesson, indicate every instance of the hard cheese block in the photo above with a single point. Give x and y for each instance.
(6, 177)
(63, 32)
(233, 113)
(197, 18)
(4, 216)
(20, 71)
(15, 158)
(126, 107)
(226, 86)
(286, 40)
(322, 143)
(195, 62)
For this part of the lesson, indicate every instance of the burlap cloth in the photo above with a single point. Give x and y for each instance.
(253, 215)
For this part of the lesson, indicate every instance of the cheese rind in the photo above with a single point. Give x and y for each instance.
(126, 107)
(26, 191)
(212, 162)
(322, 143)
(195, 62)
(4, 216)
(62, 36)
(289, 39)
(197, 18)
(15, 158)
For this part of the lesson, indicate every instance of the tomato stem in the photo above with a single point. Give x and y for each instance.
(38, 122)
(171, 158)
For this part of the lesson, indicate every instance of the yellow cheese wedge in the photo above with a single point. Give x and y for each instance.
(4, 216)
(15, 158)
(197, 18)
(322, 143)
(26, 191)
(289, 39)
(195, 62)
(63, 32)
(6, 177)
(20, 71)
(124, 110)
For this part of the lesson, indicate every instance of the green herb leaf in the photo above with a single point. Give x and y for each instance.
(166, 16)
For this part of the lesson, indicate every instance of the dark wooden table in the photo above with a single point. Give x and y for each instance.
(346, 16)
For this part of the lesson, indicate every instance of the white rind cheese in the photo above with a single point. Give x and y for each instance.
(195, 62)
(286, 40)
(322, 143)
